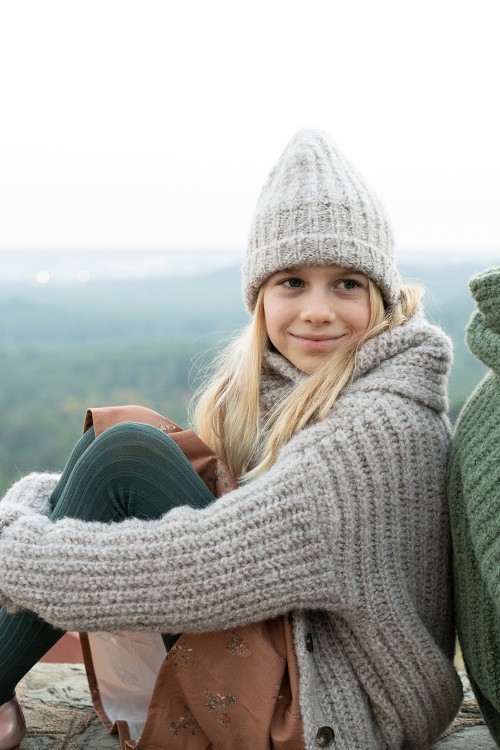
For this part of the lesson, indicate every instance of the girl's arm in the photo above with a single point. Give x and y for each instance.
(351, 516)
(258, 552)
(480, 479)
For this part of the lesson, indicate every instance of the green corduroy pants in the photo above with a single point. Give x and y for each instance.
(130, 471)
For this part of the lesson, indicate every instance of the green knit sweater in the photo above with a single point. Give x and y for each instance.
(474, 494)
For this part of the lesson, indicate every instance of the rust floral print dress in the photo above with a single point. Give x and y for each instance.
(230, 689)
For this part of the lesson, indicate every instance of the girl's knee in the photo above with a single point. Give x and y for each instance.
(131, 433)
(134, 440)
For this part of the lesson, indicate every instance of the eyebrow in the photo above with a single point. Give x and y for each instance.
(340, 272)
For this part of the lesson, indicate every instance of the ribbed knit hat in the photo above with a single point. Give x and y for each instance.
(316, 210)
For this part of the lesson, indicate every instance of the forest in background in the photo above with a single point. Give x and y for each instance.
(68, 347)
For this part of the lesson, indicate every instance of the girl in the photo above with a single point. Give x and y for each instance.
(330, 411)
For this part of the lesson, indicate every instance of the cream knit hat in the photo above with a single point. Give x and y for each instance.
(316, 210)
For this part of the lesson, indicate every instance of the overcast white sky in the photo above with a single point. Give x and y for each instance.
(153, 124)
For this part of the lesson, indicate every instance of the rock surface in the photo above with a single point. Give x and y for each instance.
(468, 731)
(59, 715)
(58, 711)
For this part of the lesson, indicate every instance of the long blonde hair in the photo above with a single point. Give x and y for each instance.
(226, 412)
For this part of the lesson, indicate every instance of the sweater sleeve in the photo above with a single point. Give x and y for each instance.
(257, 552)
(480, 476)
(30, 493)
(351, 515)
(29, 496)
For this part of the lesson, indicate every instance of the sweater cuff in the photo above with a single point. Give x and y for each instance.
(29, 496)
(9, 512)
(32, 494)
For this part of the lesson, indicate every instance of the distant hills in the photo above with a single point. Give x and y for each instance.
(74, 265)
(69, 346)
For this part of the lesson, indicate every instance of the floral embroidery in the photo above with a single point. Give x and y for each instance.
(220, 474)
(218, 704)
(180, 656)
(237, 646)
(167, 427)
(187, 722)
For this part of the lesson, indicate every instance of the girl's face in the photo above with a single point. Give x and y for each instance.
(311, 310)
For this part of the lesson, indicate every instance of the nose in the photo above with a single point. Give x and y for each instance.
(318, 308)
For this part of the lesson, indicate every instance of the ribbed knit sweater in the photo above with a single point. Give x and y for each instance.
(474, 495)
(348, 531)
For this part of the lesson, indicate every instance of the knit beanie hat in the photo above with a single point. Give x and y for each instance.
(316, 210)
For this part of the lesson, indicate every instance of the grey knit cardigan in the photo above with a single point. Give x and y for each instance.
(348, 531)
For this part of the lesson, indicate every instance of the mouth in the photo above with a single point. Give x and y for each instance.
(310, 341)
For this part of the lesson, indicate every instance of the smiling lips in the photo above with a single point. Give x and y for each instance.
(310, 341)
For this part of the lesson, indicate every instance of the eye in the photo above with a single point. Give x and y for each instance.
(292, 283)
(349, 284)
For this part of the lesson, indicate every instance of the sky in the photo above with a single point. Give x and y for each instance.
(152, 124)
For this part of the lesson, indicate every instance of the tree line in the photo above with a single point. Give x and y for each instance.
(66, 349)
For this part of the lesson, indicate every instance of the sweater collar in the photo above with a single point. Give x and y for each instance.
(276, 364)
(412, 360)
(483, 331)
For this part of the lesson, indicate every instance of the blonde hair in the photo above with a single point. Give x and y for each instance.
(227, 410)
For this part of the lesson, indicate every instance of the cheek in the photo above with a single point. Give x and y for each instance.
(361, 316)
(271, 318)
(275, 320)
(367, 316)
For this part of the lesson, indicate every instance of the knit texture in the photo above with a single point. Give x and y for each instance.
(348, 531)
(30, 495)
(474, 496)
(316, 210)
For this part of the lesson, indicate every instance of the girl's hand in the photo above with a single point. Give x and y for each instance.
(31, 494)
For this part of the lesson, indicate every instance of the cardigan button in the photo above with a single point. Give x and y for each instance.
(325, 737)
(309, 643)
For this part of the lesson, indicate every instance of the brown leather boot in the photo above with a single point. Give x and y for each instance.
(12, 725)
